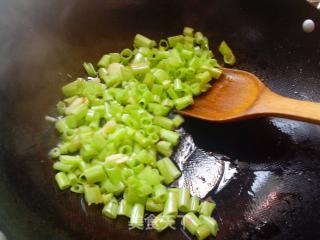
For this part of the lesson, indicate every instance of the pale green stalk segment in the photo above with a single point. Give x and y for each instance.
(228, 56)
(206, 208)
(202, 232)
(211, 223)
(162, 221)
(92, 194)
(191, 222)
(110, 210)
(125, 208)
(171, 205)
(168, 170)
(137, 216)
(184, 200)
(194, 204)
(62, 180)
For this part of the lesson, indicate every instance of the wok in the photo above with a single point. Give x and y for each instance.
(264, 174)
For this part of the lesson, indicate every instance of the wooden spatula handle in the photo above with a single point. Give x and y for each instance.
(272, 104)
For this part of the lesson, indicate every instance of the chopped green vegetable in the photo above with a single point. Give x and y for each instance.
(228, 56)
(115, 125)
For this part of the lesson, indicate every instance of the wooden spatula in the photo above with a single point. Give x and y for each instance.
(241, 95)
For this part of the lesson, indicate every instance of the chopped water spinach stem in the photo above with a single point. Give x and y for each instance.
(117, 137)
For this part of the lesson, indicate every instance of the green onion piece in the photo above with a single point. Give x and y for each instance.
(191, 222)
(115, 57)
(70, 160)
(184, 200)
(142, 41)
(94, 174)
(164, 148)
(183, 102)
(104, 61)
(114, 172)
(140, 68)
(137, 215)
(110, 210)
(63, 167)
(126, 55)
(125, 208)
(73, 88)
(163, 44)
(162, 221)
(90, 69)
(160, 193)
(202, 232)
(215, 72)
(228, 56)
(206, 208)
(203, 77)
(107, 197)
(177, 85)
(160, 75)
(172, 94)
(168, 170)
(150, 175)
(54, 152)
(153, 206)
(177, 121)
(168, 103)
(73, 179)
(198, 37)
(194, 204)
(171, 205)
(188, 31)
(163, 122)
(174, 40)
(114, 188)
(92, 194)
(78, 188)
(62, 180)
(211, 223)
(170, 136)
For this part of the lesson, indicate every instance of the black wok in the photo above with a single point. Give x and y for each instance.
(275, 192)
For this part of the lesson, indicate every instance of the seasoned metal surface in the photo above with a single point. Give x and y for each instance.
(264, 174)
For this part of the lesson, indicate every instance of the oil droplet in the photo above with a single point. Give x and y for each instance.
(308, 26)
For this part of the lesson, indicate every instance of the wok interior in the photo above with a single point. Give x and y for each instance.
(274, 195)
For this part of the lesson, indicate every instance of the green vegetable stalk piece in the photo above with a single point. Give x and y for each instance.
(162, 221)
(62, 180)
(78, 188)
(92, 194)
(94, 174)
(164, 148)
(89, 69)
(202, 232)
(194, 204)
(177, 121)
(184, 200)
(110, 210)
(206, 208)
(153, 206)
(191, 222)
(228, 56)
(211, 223)
(171, 205)
(168, 170)
(125, 208)
(137, 216)
(142, 41)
